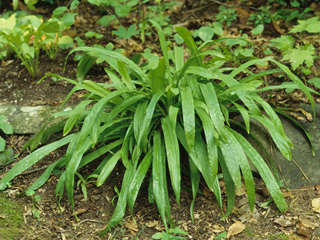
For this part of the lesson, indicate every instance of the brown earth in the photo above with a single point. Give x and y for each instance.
(17, 87)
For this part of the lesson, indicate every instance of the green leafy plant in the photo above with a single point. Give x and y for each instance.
(221, 235)
(236, 50)
(168, 235)
(122, 33)
(116, 196)
(35, 198)
(156, 12)
(82, 182)
(155, 115)
(300, 55)
(206, 33)
(18, 33)
(93, 34)
(227, 15)
(260, 17)
(121, 8)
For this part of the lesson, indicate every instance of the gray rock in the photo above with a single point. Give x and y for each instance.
(29, 120)
(302, 158)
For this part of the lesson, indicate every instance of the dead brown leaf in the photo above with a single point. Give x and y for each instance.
(303, 230)
(218, 228)
(284, 222)
(235, 229)
(80, 211)
(308, 223)
(316, 205)
(131, 225)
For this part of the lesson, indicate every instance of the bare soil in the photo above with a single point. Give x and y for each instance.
(17, 87)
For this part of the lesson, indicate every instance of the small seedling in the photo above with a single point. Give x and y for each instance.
(35, 212)
(116, 196)
(226, 15)
(168, 235)
(122, 33)
(261, 17)
(83, 182)
(206, 33)
(222, 235)
(93, 34)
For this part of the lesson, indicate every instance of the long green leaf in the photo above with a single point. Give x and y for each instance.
(212, 102)
(74, 116)
(276, 136)
(185, 34)
(163, 45)
(125, 75)
(96, 109)
(178, 57)
(232, 160)
(210, 140)
(84, 66)
(148, 117)
(158, 174)
(264, 171)
(122, 202)
(124, 105)
(45, 176)
(286, 71)
(31, 159)
(106, 55)
(188, 115)
(158, 80)
(138, 178)
(199, 155)
(245, 168)
(173, 155)
(244, 114)
(72, 167)
(138, 118)
(195, 180)
(194, 85)
(105, 172)
(229, 184)
(299, 125)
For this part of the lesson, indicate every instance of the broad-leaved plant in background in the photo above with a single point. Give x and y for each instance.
(169, 114)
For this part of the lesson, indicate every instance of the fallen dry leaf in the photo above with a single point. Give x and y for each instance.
(316, 205)
(80, 211)
(131, 225)
(284, 222)
(303, 230)
(235, 229)
(218, 228)
(305, 221)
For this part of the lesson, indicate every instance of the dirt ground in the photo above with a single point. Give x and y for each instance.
(300, 221)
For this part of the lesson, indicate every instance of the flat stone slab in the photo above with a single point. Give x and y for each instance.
(29, 120)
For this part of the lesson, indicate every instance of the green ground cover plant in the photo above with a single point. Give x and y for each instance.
(16, 33)
(300, 55)
(165, 114)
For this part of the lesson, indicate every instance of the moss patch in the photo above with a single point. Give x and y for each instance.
(10, 218)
